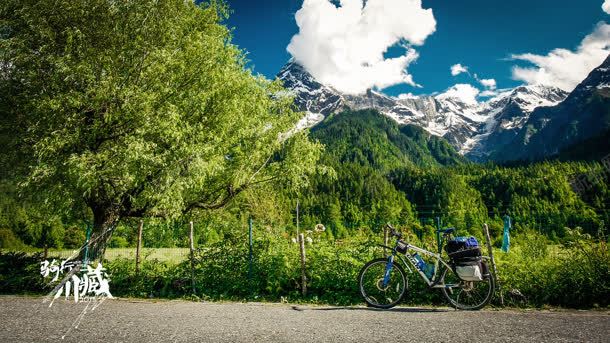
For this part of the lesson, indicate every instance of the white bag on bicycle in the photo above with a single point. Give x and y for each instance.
(469, 273)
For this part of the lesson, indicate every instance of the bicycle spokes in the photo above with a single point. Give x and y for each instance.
(382, 285)
(466, 295)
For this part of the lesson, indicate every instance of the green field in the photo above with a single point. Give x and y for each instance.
(161, 254)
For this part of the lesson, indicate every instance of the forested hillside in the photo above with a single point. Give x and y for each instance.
(368, 138)
(404, 175)
(380, 172)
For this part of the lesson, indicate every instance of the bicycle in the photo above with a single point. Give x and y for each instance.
(383, 282)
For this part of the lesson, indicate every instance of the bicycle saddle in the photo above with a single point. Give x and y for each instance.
(447, 230)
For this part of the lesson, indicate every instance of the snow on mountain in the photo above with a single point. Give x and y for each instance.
(572, 125)
(468, 125)
(312, 97)
(506, 114)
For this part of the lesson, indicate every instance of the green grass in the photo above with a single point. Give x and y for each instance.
(162, 254)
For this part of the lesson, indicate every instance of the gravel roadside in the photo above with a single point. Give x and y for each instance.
(27, 319)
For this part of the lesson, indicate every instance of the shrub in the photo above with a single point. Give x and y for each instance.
(573, 274)
(118, 242)
(20, 273)
(8, 240)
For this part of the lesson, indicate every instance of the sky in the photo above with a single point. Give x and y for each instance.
(413, 47)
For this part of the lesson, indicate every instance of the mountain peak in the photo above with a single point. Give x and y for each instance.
(537, 88)
(582, 116)
(311, 97)
(529, 97)
(454, 115)
(598, 81)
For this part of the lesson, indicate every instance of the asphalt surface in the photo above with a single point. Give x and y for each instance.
(27, 319)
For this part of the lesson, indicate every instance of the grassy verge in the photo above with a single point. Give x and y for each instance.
(535, 273)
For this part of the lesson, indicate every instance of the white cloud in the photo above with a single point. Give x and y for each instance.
(343, 46)
(490, 84)
(457, 69)
(463, 91)
(407, 96)
(606, 6)
(564, 68)
(488, 93)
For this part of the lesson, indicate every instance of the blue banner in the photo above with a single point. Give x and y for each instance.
(506, 238)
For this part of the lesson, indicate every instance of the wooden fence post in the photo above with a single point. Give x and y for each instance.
(493, 262)
(250, 253)
(139, 246)
(301, 239)
(192, 254)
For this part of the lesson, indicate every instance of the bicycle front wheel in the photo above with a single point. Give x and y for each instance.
(375, 291)
(467, 295)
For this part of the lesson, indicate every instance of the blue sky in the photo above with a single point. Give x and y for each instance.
(479, 34)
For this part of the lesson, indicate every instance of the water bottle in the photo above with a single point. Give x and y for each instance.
(420, 263)
(429, 270)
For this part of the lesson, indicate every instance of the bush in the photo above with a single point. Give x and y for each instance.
(156, 279)
(20, 273)
(9, 241)
(118, 242)
(574, 274)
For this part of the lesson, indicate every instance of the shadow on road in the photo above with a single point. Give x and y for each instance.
(395, 309)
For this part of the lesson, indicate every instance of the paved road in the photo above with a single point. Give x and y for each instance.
(24, 319)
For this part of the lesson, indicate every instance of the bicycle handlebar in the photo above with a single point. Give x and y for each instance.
(393, 231)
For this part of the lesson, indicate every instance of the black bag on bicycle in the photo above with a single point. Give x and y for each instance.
(462, 247)
(468, 264)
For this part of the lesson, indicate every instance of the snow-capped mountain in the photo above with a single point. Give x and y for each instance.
(506, 114)
(312, 97)
(579, 123)
(468, 126)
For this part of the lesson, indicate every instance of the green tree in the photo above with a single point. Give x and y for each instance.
(139, 108)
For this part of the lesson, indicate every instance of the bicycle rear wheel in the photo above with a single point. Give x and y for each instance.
(371, 280)
(467, 295)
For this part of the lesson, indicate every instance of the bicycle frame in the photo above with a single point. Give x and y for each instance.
(432, 282)
(406, 256)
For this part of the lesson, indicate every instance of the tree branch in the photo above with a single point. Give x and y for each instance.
(231, 193)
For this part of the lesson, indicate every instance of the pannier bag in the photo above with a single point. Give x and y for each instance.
(461, 247)
(469, 272)
(471, 269)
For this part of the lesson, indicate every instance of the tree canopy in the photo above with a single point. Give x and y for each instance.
(138, 108)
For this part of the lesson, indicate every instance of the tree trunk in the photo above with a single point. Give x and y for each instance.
(105, 219)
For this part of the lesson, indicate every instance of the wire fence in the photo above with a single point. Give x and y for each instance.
(177, 254)
(111, 254)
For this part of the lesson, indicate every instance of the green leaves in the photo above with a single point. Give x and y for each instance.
(144, 107)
